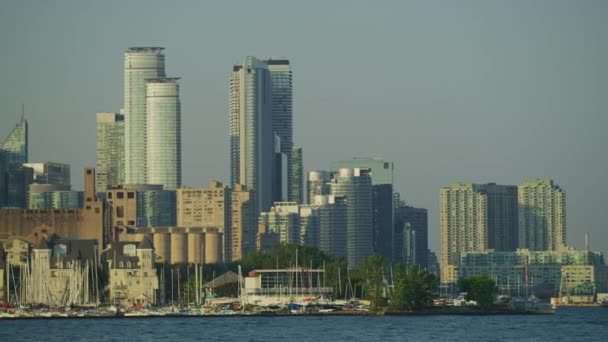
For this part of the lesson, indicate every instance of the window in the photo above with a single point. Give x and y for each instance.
(120, 211)
(130, 194)
(109, 195)
(121, 264)
(120, 195)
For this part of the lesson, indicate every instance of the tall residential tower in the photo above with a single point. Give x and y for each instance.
(141, 63)
(110, 150)
(251, 130)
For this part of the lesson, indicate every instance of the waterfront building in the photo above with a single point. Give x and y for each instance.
(282, 120)
(332, 223)
(317, 184)
(381, 172)
(476, 217)
(542, 215)
(297, 176)
(140, 64)
(61, 273)
(537, 272)
(132, 278)
(163, 132)
(52, 196)
(356, 185)
(141, 205)
(251, 130)
(463, 223)
(411, 235)
(110, 150)
(14, 153)
(284, 286)
(243, 227)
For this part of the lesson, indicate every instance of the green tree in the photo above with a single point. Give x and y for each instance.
(480, 288)
(371, 275)
(413, 287)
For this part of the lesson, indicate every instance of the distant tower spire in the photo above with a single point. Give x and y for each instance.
(22, 111)
(587, 241)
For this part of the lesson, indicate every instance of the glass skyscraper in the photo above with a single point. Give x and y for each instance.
(251, 130)
(381, 172)
(13, 154)
(282, 117)
(110, 150)
(141, 63)
(164, 160)
(356, 185)
(297, 176)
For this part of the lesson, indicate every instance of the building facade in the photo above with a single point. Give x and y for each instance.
(317, 184)
(381, 172)
(411, 235)
(206, 207)
(110, 150)
(133, 205)
(282, 121)
(542, 215)
(51, 196)
(251, 130)
(463, 223)
(356, 185)
(243, 226)
(14, 152)
(132, 278)
(297, 176)
(50, 173)
(332, 223)
(140, 63)
(163, 133)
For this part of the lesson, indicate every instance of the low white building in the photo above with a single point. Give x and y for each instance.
(283, 286)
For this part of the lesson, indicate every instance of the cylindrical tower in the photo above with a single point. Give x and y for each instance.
(141, 63)
(164, 156)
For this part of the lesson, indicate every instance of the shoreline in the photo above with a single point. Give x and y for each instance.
(314, 314)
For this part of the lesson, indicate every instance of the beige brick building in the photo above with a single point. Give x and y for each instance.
(131, 273)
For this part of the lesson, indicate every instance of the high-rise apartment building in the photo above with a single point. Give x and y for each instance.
(282, 118)
(332, 223)
(141, 63)
(163, 126)
(356, 185)
(381, 172)
(411, 235)
(476, 217)
(463, 221)
(15, 148)
(542, 215)
(206, 207)
(251, 130)
(502, 216)
(317, 184)
(293, 223)
(110, 150)
(243, 227)
(297, 176)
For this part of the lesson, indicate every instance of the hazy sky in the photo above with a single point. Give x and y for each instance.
(475, 91)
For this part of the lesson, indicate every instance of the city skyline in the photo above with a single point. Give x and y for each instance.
(486, 131)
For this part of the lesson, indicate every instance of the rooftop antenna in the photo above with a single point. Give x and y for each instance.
(587, 241)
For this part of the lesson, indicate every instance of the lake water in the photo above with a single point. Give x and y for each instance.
(568, 324)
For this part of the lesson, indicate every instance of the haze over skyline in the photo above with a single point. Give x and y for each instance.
(471, 91)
